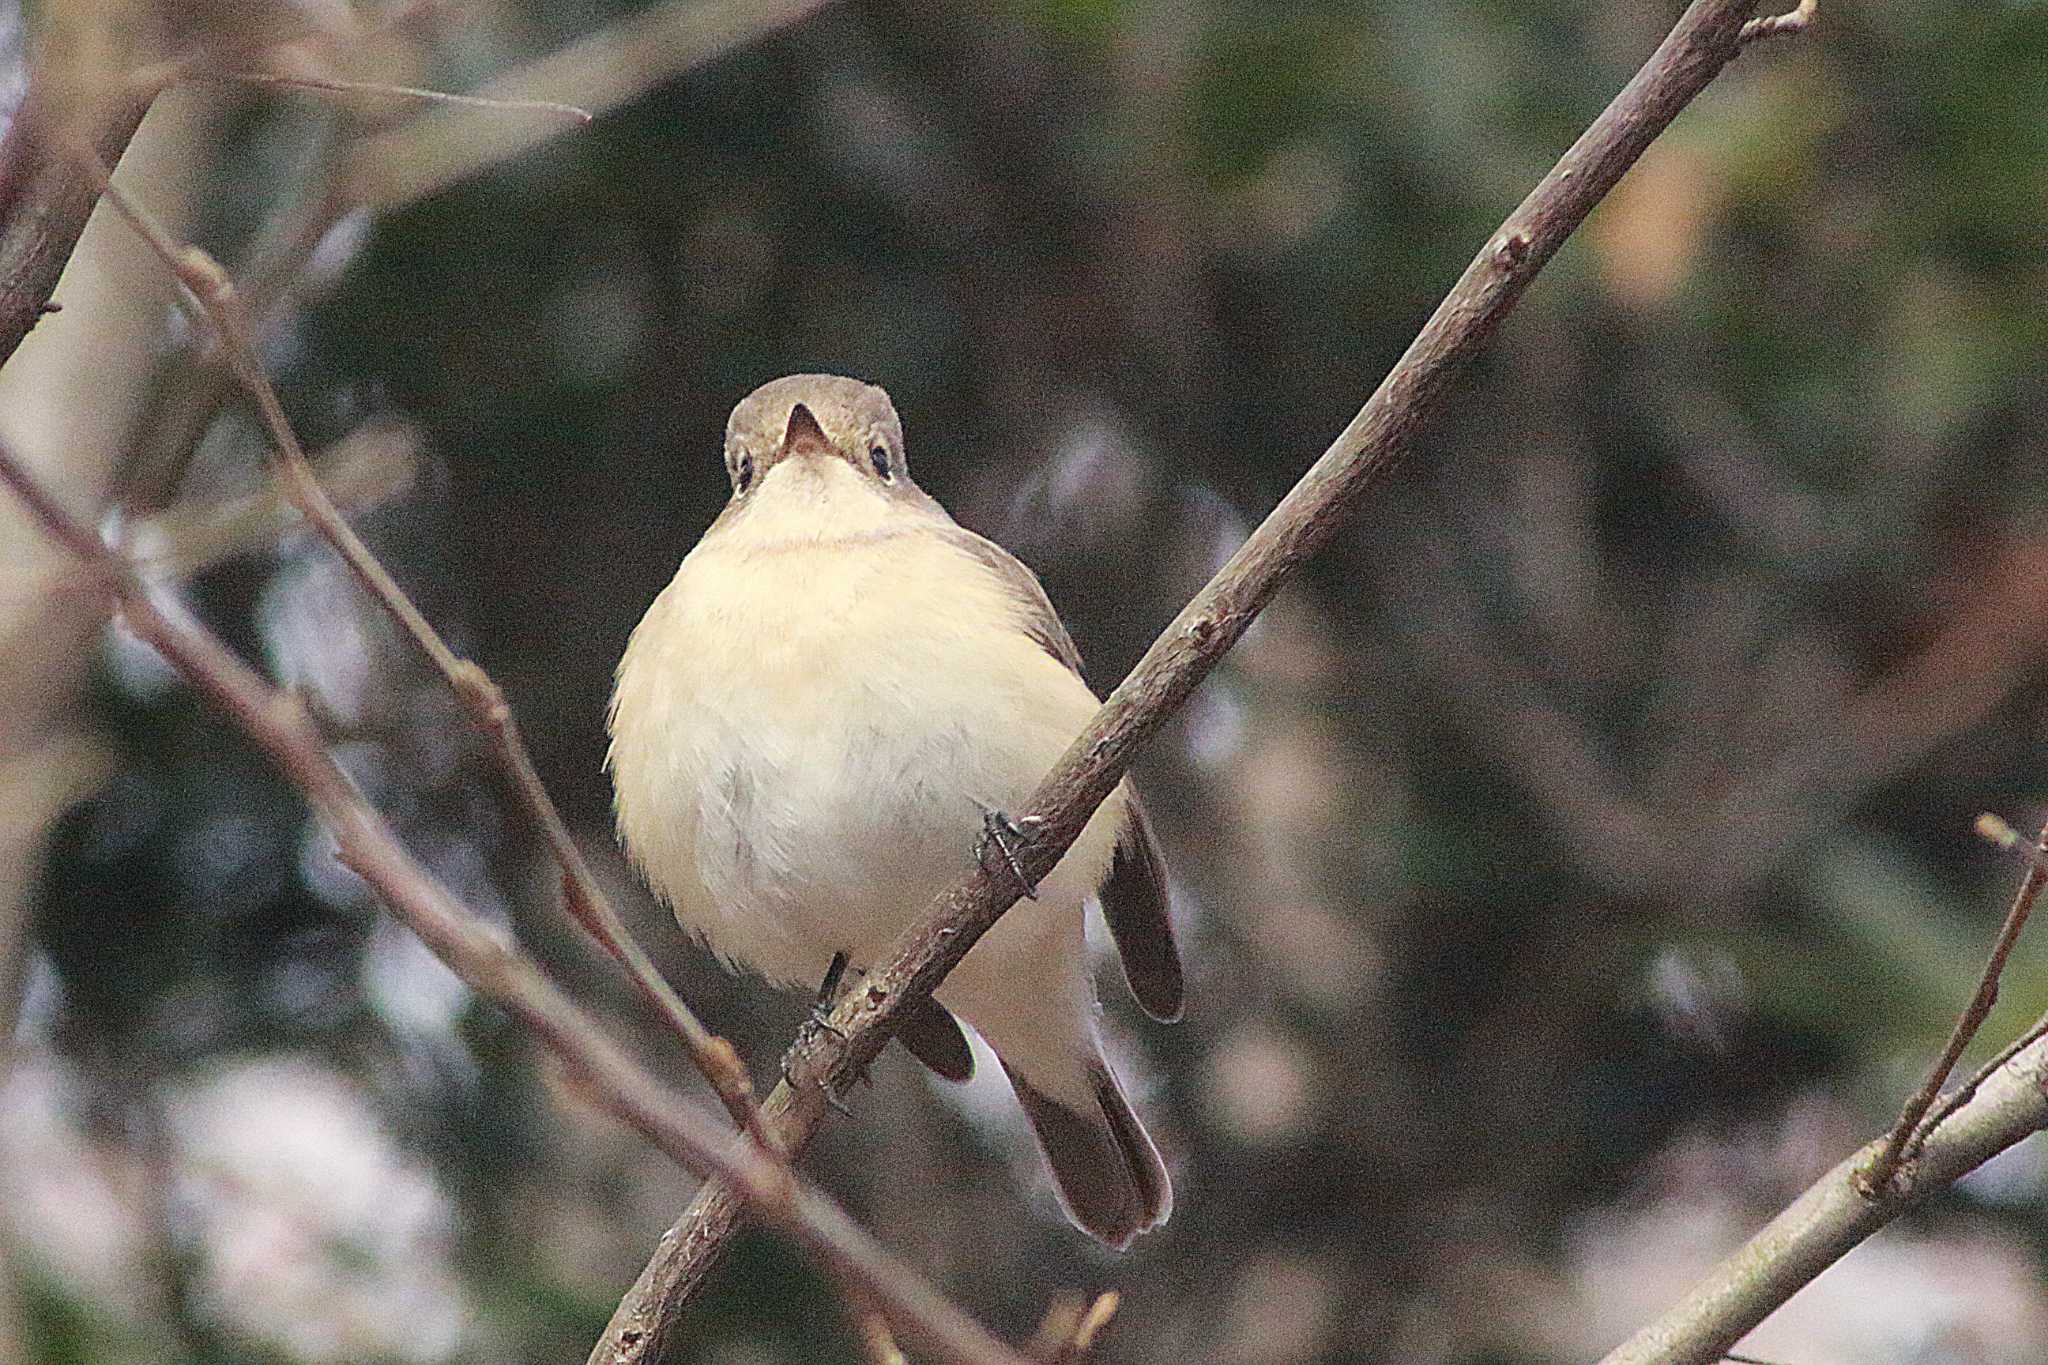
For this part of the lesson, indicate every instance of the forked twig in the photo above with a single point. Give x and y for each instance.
(1996, 831)
(2005, 1101)
(1906, 1135)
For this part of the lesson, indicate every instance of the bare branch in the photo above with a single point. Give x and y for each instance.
(1922, 1153)
(1705, 40)
(2035, 852)
(44, 204)
(482, 701)
(495, 968)
(1833, 1216)
(1898, 1144)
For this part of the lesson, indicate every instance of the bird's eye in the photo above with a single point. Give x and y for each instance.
(743, 474)
(880, 456)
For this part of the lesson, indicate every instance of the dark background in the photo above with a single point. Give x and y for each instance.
(1574, 863)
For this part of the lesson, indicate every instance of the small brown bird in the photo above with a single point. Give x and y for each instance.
(815, 719)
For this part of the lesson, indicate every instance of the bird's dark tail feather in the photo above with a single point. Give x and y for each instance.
(1104, 1164)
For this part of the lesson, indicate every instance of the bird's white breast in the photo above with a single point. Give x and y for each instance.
(812, 717)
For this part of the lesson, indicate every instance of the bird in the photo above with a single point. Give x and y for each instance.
(838, 690)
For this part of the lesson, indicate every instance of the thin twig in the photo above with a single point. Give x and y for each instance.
(406, 92)
(1833, 1217)
(1967, 1091)
(1705, 40)
(877, 1342)
(482, 701)
(1792, 21)
(1890, 1160)
(1998, 832)
(599, 71)
(494, 967)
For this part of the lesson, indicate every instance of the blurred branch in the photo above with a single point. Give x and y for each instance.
(478, 130)
(365, 469)
(1834, 1215)
(496, 969)
(1071, 1326)
(1850, 745)
(599, 72)
(1704, 41)
(44, 203)
(1507, 716)
(481, 699)
(877, 1342)
(336, 86)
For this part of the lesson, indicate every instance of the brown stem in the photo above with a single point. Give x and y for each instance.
(2035, 852)
(44, 203)
(496, 969)
(1899, 1142)
(1705, 40)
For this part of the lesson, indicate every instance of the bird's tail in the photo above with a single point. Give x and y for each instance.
(1107, 1170)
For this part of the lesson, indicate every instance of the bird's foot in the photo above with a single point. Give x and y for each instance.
(1007, 837)
(824, 1086)
(828, 989)
(819, 1021)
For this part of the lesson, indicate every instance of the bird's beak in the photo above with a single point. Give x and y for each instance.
(804, 436)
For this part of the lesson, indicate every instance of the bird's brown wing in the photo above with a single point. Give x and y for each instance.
(1134, 903)
(1134, 897)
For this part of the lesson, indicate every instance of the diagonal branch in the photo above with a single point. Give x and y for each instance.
(1705, 40)
(335, 86)
(1834, 1215)
(44, 204)
(278, 723)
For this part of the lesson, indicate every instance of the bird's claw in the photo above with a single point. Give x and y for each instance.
(1007, 836)
(824, 1087)
(818, 1021)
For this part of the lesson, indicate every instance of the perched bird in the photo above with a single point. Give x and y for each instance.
(814, 721)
